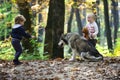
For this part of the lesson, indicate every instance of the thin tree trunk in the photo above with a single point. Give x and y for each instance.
(84, 14)
(70, 19)
(115, 18)
(107, 25)
(78, 19)
(84, 19)
(24, 10)
(98, 13)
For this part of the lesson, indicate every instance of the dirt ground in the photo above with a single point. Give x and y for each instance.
(60, 69)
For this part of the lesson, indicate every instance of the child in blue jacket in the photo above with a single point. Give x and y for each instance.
(17, 33)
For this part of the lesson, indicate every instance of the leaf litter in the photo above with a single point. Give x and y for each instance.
(61, 69)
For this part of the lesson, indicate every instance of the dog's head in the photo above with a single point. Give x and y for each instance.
(63, 40)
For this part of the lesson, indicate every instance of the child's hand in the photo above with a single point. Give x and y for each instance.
(93, 35)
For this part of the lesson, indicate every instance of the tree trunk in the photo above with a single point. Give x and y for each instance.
(24, 10)
(115, 18)
(107, 25)
(84, 19)
(54, 28)
(78, 19)
(98, 19)
(70, 19)
(48, 48)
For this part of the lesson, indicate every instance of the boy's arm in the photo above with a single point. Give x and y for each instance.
(23, 33)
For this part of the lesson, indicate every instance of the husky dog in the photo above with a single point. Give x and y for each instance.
(80, 46)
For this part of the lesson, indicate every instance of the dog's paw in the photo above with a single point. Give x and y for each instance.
(71, 59)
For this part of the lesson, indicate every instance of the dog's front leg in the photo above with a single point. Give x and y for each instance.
(85, 56)
(73, 57)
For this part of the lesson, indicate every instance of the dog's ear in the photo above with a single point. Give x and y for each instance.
(65, 34)
(62, 35)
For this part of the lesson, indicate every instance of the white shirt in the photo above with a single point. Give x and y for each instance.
(93, 29)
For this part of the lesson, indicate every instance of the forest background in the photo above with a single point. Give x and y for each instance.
(48, 19)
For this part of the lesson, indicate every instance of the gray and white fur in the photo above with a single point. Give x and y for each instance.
(80, 46)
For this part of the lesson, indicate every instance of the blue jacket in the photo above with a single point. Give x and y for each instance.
(18, 32)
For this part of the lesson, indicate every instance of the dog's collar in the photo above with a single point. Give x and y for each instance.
(66, 42)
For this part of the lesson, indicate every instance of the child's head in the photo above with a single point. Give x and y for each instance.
(20, 19)
(91, 18)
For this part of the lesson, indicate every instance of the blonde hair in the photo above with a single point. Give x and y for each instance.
(91, 15)
(19, 18)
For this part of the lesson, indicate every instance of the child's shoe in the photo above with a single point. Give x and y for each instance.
(16, 62)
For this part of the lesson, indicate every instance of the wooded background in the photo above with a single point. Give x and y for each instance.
(48, 19)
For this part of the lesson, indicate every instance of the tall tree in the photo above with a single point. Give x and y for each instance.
(70, 19)
(95, 10)
(24, 9)
(78, 19)
(115, 17)
(54, 28)
(107, 25)
(98, 14)
(75, 10)
(84, 14)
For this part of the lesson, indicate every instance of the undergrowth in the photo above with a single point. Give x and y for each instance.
(105, 52)
(7, 52)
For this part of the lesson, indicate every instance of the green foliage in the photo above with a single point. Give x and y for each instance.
(5, 20)
(105, 52)
(7, 52)
(5, 7)
(117, 48)
(7, 14)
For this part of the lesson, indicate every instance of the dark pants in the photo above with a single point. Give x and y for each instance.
(93, 42)
(18, 48)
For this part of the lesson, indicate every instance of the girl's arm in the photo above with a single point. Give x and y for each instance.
(96, 29)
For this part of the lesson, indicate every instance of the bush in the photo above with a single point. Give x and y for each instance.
(7, 52)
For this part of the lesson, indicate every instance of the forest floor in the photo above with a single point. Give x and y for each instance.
(60, 69)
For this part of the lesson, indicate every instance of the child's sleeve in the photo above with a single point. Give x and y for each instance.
(96, 29)
(23, 33)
